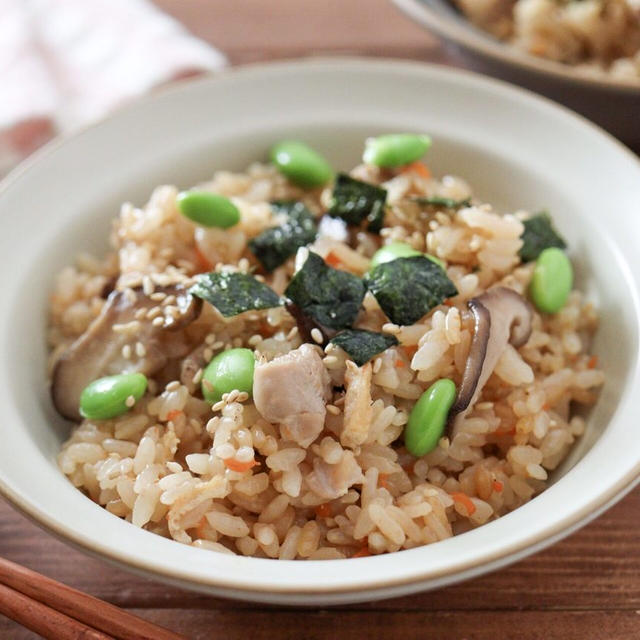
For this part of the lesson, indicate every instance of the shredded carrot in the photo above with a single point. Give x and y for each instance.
(204, 264)
(593, 362)
(546, 406)
(409, 467)
(410, 350)
(173, 414)
(235, 465)
(400, 364)
(266, 329)
(498, 486)
(448, 302)
(332, 259)
(465, 501)
(417, 167)
(382, 480)
(324, 510)
(200, 527)
(363, 553)
(505, 432)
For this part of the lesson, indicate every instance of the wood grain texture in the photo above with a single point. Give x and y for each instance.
(586, 587)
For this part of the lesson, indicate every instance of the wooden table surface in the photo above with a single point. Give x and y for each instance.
(586, 587)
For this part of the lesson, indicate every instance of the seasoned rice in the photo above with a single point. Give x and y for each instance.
(182, 468)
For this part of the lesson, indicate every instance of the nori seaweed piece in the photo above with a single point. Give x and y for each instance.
(275, 245)
(362, 345)
(330, 296)
(355, 201)
(408, 288)
(537, 236)
(234, 293)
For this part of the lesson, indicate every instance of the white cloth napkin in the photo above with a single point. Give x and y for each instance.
(67, 62)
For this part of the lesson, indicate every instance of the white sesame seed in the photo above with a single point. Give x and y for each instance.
(147, 285)
(377, 364)
(207, 385)
(389, 327)
(329, 360)
(153, 312)
(218, 405)
(174, 385)
(140, 313)
(157, 322)
(158, 296)
(217, 345)
(130, 401)
(207, 354)
(316, 334)
(141, 350)
(331, 408)
(126, 327)
(243, 396)
(254, 340)
(169, 299)
(130, 295)
(210, 339)
(292, 333)
(231, 396)
(197, 376)
(126, 351)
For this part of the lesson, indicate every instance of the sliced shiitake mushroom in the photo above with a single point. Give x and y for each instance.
(502, 316)
(98, 351)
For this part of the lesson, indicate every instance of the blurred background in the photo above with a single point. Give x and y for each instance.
(64, 63)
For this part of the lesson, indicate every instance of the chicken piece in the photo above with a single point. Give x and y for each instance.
(292, 390)
(357, 405)
(331, 481)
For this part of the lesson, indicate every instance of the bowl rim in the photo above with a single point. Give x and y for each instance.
(467, 35)
(455, 570)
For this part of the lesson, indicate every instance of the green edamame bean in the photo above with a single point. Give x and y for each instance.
(551, 281)
(229, 370)
(400, 250)
(112, 396)
(208, 209)
(301, 164)
(395, 149)
(429, 417)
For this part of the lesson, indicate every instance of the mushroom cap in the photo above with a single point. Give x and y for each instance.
(98, 351)
(502, 316)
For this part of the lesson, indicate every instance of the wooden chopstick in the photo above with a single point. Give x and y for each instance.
(43, 620)
(30, 598)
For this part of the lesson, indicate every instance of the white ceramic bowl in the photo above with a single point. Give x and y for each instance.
(516, 149)
(608, 101)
